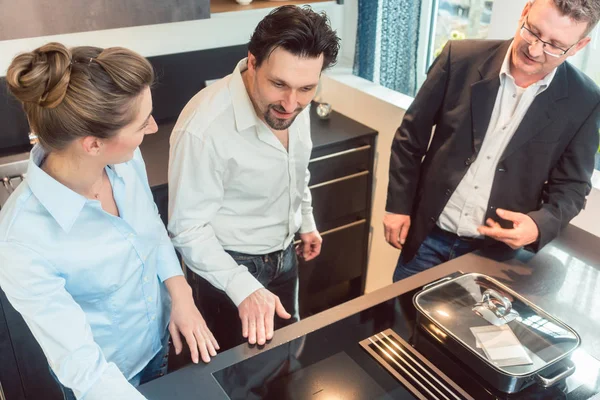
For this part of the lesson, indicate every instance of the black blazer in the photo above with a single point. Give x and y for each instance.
(545, 170)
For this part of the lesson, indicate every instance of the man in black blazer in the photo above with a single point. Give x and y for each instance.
(516, 130)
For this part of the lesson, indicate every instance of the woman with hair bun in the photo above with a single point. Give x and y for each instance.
(84, 256)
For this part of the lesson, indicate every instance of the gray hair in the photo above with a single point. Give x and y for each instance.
(580, 11)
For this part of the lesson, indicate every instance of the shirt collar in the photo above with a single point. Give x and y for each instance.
(505, 72)
(63, 204)
(118, 169)
(243, 110)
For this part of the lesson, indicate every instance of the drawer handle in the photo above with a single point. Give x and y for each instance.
(341, 153)
(343, 178)
(339, 228)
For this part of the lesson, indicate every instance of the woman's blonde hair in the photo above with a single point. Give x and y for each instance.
(78, 92)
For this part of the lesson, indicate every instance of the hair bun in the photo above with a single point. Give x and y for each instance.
(41, 76)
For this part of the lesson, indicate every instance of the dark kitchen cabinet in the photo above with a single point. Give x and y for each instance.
(341, 185)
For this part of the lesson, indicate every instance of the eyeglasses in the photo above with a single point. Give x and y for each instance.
(548, 48)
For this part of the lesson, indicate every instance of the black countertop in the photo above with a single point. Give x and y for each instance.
(561, 279)
(325, 133)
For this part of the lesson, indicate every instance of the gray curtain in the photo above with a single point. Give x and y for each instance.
(390, 57)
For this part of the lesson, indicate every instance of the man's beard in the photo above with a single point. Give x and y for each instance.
(277, 123)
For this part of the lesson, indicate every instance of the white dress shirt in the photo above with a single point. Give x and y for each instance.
(233, 186)
(466, 208)
(89, 284)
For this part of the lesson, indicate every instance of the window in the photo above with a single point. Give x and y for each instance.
(457, 19)
(588, 60)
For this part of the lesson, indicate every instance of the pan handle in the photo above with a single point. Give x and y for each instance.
(547, 382)
(505, 302)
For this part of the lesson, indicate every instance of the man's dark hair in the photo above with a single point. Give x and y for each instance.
(299, 30)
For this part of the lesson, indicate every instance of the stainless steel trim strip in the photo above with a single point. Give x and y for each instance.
(414, 357)
(343, 178)
(405, 382)
(339, 228)
(341, 153)
(403, 369)
(409, 366)
(419, 364)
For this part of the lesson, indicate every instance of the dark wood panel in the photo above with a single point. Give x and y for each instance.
(339, 164)
(180, 76)
(339, 199)
(31, 362)
(336, 131)
(15, 129)
(330, 297)
(9, 372)
(342, 258)
(161, 198)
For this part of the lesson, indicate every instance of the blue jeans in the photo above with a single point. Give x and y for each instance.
(438, 247)
(156, 368)
(277, 272)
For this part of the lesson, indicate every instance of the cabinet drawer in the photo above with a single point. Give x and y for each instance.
(339, 164)
(342, 258)
(330, 297)
(340, 197)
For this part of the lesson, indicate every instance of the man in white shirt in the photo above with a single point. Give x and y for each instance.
(516, 130)
(238, 178)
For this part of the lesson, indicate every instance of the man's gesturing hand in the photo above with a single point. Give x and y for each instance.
(524, 232)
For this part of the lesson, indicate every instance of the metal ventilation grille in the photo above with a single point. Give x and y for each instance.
(417, 374)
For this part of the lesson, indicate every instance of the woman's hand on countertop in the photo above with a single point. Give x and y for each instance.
(186, 320)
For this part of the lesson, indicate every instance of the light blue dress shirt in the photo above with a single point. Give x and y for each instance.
(89, 284)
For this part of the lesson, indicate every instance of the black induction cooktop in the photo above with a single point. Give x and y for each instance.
(330, 363)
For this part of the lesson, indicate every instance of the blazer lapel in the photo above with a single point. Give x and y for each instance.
(541, 113)
(484, 93)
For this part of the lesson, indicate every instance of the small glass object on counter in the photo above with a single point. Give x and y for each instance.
(324, 110)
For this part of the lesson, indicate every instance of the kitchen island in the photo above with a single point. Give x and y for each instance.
(561, 279)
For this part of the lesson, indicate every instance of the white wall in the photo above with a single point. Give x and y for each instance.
(505, 18)
(221, 30)
(350, 15)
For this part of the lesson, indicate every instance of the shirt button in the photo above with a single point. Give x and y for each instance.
(145, 279)
(149, 298)
(489, 157)
(131, 236)
(501, 170)
(448, 192)
(514, 96)
(432, 219)
(476, 187)
(153, 317)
